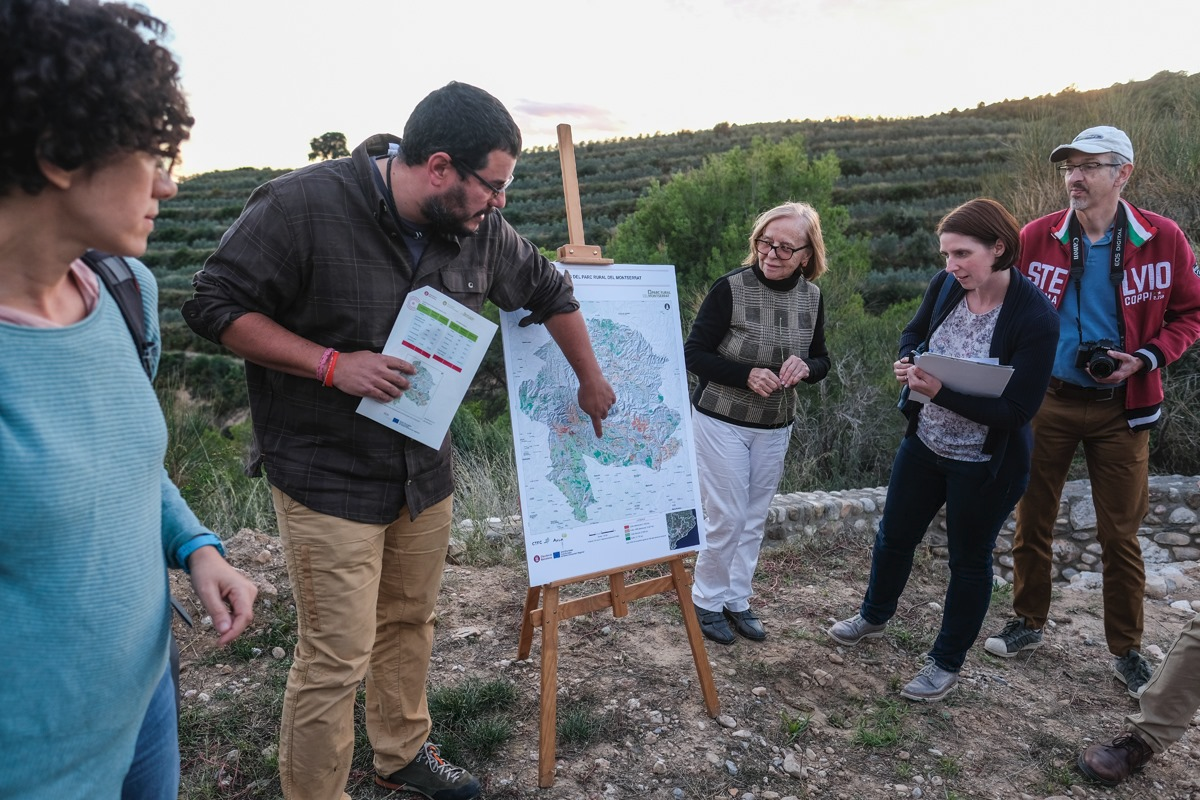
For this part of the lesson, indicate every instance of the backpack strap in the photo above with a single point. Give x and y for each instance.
(941, 308)
(117, 276)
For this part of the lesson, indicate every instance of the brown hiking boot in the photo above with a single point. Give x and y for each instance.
(1112, 763)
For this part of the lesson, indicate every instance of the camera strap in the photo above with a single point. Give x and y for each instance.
(1116, 267)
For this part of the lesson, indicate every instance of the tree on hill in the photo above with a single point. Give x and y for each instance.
(700, 220)
(328, 145)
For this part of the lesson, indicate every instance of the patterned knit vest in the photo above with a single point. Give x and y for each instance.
(766, 327)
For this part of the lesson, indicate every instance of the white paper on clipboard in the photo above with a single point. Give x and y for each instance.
(968, 376)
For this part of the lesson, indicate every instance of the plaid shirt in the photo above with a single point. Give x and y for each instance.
(319, 251)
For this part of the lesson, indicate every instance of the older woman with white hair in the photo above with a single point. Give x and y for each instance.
(759, 333)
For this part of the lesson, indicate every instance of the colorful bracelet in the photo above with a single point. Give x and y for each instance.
(328, 381)
(324, 364)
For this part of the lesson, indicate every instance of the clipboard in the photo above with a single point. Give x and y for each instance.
(964, 375)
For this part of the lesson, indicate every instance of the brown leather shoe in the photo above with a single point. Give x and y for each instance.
(1112, 763)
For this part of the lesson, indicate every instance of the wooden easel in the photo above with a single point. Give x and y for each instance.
(617, 598)
(619, 593)
(575, 251)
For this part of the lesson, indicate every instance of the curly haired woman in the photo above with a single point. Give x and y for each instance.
(89, 521)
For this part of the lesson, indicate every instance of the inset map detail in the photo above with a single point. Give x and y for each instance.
(682, 530)
(420, 385)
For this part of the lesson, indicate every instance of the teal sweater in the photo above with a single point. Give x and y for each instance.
(89, 523)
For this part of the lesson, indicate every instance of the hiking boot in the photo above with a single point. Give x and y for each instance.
(1133, 671)
(430, 775)
(747, 624)
(930, 683)
(852, 631)
(1112, 763)
(1015, 637)
(714, 626)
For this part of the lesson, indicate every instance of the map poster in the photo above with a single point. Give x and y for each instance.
(446, 342)
(587, 504)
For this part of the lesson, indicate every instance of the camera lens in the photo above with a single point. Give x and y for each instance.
(1101, 364)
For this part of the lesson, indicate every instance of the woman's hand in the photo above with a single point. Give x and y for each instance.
(922, 382)
(794, 370)
(227, 594)
(900, 368)
(763, 382)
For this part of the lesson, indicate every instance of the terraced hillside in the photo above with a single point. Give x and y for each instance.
(898, 178)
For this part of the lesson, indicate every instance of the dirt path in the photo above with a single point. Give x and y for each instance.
(801, 716)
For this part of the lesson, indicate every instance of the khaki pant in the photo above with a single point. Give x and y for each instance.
(1118, 466)
(1172, 695)
(365, 597)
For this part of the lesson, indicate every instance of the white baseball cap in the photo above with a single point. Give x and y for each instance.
(1100, 139)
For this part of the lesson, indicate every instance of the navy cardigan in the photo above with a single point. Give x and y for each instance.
(1026, 337)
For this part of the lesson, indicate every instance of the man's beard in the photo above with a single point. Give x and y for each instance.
(444, 213)
(1080, 202)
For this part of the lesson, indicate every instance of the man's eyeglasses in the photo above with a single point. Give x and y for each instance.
(496, 190)
(784, 251)
(1087, 169)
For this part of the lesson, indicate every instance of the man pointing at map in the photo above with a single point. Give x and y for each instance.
(306, 287)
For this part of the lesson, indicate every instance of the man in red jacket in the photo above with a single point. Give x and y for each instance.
(1127, 289)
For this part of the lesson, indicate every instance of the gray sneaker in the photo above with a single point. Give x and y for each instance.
(1133, 671)
(930, 683)
(431, 775)
(852, 631)
(1015, 637)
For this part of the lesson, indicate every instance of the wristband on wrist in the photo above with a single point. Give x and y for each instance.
(323, 365)
(333, 359)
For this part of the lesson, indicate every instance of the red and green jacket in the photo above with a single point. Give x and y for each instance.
(1159, 295)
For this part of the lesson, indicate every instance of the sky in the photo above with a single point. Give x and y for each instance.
(264, 77)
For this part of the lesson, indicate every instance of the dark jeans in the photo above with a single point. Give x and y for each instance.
(976, 507)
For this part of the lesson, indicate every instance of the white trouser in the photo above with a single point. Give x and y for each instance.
(739, 470)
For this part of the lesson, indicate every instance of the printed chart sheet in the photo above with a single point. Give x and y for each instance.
(446, 342)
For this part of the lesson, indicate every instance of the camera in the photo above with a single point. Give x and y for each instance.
(1094, 357)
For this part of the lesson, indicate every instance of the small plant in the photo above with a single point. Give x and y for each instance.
(794, 727)
(579, 725)
(908, 639)
(948, 767)
(883, 726)
(1002, 597)
(473, 720)
(1056, 759)
(1059, 777)
(904, 770)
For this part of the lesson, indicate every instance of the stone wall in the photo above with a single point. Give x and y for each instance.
(1169, 533)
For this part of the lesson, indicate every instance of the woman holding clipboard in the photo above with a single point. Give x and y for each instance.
(966, 452)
